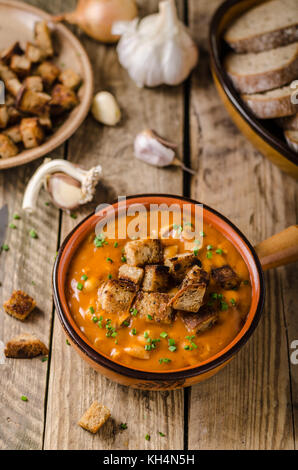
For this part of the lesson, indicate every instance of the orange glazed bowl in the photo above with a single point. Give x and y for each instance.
(264, 134)
(155, 380)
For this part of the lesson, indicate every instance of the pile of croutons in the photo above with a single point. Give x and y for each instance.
(37, 93)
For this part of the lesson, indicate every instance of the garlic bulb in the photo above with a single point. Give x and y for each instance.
(154, 150)
(158, 49)
(105, 108)
(68, 185)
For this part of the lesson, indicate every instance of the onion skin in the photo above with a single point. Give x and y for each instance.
(95, 17)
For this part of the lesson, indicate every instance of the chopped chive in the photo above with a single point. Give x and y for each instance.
(84, 277)
(134, 331)
(164, 334)
(147, 437)
(219, 251)
(196, 252)
(233, 301)
(134, 312)
(202, 234)
(73, 216)
(171, 342)
(114, 334)
(194, 345)
(209, 254)
(24, 398)
(33, 233)
(5, 247)
(110, 276)
(146, 334)
(148, 347)
(110, 260)
(172, 348)
(161, 434)
(46, 203)
(67, 342)
(126, 323)
(16, 217)
(91, 309)
(223, 306)
(123, 259)
(164, 360)
(214, 295)
(12, 226)
(44, 359)
(115, 244)
(80, 286)
(95, 319)
(149, 317)
(220, 296)
(187, 347)
(123, 426)
(209, 247)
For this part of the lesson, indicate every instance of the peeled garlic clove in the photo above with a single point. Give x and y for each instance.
(65, 191)
(105, 108)
(149, 148)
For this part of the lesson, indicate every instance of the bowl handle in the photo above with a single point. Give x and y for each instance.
(280, 249)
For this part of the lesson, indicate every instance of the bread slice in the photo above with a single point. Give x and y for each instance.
(252, 73)
(292, 139)
(289, 123)
(264, 27)
(271, 104)
(25, 346)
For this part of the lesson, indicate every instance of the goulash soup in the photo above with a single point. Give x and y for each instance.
(161, 303)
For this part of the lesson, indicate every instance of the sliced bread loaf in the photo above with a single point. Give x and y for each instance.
(267, 26)
(271, 104)
(289, 123)
(292, 139)
(252, 73)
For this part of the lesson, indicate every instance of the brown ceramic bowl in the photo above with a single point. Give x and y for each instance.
(158, 380)
(17, 24)
(265, 135)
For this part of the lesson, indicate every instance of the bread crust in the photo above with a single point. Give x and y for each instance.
(266, 107)
(25, 346)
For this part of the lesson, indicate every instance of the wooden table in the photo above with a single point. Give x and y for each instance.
(252, 403)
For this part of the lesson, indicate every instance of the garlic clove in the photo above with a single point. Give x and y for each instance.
(105, 108)
(65, 191)
(152, 150)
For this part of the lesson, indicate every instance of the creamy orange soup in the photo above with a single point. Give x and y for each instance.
(143, 343)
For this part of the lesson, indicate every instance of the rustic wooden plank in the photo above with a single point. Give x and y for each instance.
(248, 404)
(73, 384)
(27, 265)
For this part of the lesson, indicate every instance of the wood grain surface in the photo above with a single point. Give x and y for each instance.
(252, 403)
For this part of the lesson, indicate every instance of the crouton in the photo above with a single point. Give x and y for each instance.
(48, 72)
(154, 306)
(131, 273)
(156, 278)
(196, 275)
(32, 102)
(13, 85)
(43, 38)
(226, 277)
(31, 132)
(20, 64)
(170, 251)
(3, 117)
(95, 417)
(190, 297)
(70, 79)
(180, 264)
(116, 296)
(63, 99)
(19, 305)
(9, 100)
(34, 53)
(7, 147)
(25, 346)
(14, 115)
(200, 321)
(45, 121)
(7, 54)
(140, 252)
(14, 133)
(33, 83)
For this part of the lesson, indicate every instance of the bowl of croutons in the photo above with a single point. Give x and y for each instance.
(46, 84)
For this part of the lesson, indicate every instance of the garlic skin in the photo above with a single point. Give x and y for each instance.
(83, 180)
(105, 108)
(149, 148)
(158, 49)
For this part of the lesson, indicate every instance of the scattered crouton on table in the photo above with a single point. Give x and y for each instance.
(95, 417)
(25, 346)
(19, 305)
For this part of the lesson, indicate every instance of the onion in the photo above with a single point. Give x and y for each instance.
(96, 17)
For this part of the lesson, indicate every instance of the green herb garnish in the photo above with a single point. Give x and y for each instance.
(84, 277)
(33, 233)
(24, 398)
(164, 334)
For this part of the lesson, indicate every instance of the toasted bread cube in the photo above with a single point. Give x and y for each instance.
(45, 121)
(170, 251)
(63, 99)
(117, 296)
(43, 38)
(13, 85)
(31, 132)
(34, 53)
(49, 72)
(154, 306)
(20, 64)
(14, 115)
(95, 417)
(140, 252)
(14, 133)
(25, 346)
(32, 102)
(225, 277)
(3, 117)
(7, 147)
(19, 305)
(33, 83)
(200, 321)
(196, 275)
(70, 79)
(180, 264)
(9, 100)
(7, 54)
(156, 278)
(190, 297)
(131, 273)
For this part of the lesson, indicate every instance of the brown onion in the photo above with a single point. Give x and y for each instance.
(96, 17)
